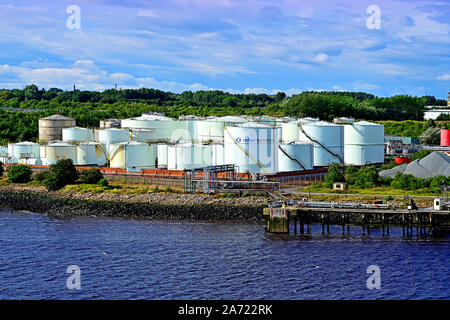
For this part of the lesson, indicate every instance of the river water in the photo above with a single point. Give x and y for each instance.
(142, 259)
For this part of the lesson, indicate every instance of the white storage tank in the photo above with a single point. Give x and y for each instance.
(59, 150)
(162, 126)
(141, 135)
(133, 156)
(295, 156)
(172, 157)
(191, 156)
(113, 136)
(252, 147)
(77, 134)
(212, 128)
(23, 150)
(91, 153)
(364, 143)
(162, 154)
(328, 141)
(290, 131)
(218, 156)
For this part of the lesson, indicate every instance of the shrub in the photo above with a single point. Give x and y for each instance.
(404, 182)
(103, 182)
(41, 175)
(91, 176)
(350, 174)
(1, 169)
(61, 174)
(437, 181)
(387, 198)
(20, 174)
(367, 177)
(335, 174)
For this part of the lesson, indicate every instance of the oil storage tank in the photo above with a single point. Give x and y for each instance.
(113, 136)
(162, 154)
(252, 147)
(141, 135)
(50, 128)
(162, 126)
(77, 134)
(189, 156)
(327, 139)
(23, 150)
(133, 156)
(218, 156)
(364, 143)
(55, 151)
(212, 128)
(91, 153)
(295, 156)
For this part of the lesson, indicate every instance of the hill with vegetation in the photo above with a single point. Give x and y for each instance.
(20, 109)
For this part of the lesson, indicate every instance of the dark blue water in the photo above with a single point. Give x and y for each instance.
(128, 259)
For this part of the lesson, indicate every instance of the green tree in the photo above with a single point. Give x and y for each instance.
(61, 174)
(1, 169)
(335, 174)
(19, 174)
(366, 177)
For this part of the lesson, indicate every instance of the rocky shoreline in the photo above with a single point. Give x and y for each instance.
(142, 206)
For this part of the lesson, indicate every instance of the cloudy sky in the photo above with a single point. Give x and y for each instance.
(234, 45)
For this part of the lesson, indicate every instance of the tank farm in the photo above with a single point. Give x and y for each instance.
(228, 154)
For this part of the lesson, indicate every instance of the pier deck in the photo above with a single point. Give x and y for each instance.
(279, 219)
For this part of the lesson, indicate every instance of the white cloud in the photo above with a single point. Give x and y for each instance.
(321, 58)
(444, 77)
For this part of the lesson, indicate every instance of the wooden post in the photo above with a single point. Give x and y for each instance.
(302, 229)
(343, 224)
(323, 223)
(403, 223)
(382, 222)
(295, 223)
(308, 222)
(362, 223)
(328, 222)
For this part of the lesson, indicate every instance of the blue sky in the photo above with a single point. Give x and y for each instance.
(238, 46)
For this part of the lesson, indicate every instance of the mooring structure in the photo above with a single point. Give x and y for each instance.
(279, 220)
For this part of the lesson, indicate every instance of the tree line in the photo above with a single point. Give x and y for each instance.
(89, 107)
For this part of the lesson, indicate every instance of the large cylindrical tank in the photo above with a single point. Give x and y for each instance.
(327, 139)
(253, 148)
(55, 151)
(50, 128)
(162, 154)
(290, 131)
(295, 156)
(141, 135)
(189, 156)
(91, 153)
(133, 156)
(364, 143)
(218, 156)
(113, 136)
(23, 150)
(76, 134)
(445, 138)
(162, 127)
